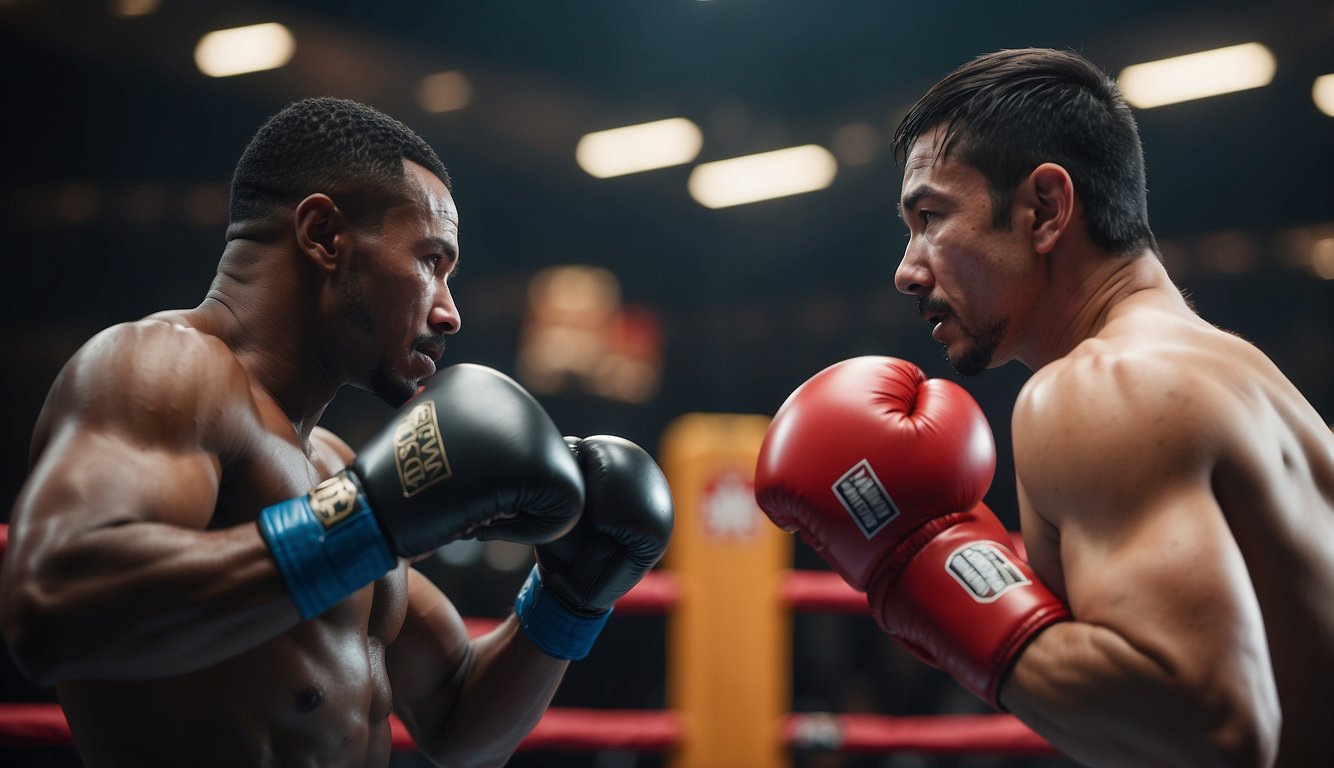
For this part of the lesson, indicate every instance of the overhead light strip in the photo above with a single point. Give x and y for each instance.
(1197, 75)
(638, 148)
(239, 50)
(765, 176)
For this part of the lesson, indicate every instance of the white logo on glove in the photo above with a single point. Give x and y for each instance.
(984, 571)
(862, 494)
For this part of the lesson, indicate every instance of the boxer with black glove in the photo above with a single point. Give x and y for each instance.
(183, 610)
(882, 471)
(473, 454)
(626, 524)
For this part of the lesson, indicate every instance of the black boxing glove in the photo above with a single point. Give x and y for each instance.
(473, 454)
(625, 527)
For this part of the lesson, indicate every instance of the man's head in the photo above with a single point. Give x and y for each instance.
(1007, 112)
(1013, 159)
(340, 148)
(387, 303)
(362, 206)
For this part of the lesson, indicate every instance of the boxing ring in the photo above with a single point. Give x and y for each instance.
(728, 593)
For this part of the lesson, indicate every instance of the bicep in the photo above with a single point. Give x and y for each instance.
(1166, 575)
(90, 478)
(86, 482)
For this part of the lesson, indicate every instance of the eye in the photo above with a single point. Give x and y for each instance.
(926, 217)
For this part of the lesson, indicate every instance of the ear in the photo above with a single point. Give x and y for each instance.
(321, 230)
(1051, 194)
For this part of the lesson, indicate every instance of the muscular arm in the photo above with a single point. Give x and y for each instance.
(110, 572)
(466, 703)
(1166, 662)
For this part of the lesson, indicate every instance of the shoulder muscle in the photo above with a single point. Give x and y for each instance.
(138, 426)
(1102, 430)
(154, 384)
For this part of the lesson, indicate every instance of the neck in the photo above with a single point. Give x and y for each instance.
(1085, 292)
(262, 307)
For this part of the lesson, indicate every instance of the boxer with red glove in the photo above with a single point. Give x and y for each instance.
(626, 524)
(882, 471)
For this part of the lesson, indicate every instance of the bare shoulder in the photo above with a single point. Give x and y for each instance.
(147, 413)
(151, 380)
(1106, 423)
(1101, 381)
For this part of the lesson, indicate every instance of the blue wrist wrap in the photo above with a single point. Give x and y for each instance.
(551, 626)
(326, 543)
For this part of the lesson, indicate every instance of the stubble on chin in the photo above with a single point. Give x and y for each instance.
(980, 350)
(392, 391)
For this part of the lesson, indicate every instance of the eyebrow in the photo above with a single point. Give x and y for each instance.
(439, 243)
(914, 197)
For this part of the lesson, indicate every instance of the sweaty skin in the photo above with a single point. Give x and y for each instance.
(164, 623)
(1174, 487)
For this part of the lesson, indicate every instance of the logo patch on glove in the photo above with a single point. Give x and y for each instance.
(865, 498)
(418, 452)
(984, 571)
(333, 499)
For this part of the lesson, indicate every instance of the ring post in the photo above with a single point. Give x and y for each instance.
(729, 638)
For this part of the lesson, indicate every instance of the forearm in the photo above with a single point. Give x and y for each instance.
(502, 690)
(1103, 701)
(143, 600)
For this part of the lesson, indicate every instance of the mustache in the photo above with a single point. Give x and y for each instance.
(430, 343)
(929, 305)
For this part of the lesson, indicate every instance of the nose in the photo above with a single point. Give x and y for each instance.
(444, 317)
(912, 277)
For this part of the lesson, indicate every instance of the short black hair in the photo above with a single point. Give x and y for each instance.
(350, 151)
(1008, 112)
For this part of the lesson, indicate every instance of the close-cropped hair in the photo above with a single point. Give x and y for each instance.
(1005, 113)
(350, 151)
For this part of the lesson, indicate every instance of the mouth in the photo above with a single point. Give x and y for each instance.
(935, 313)
(935, 320)
(429, 357)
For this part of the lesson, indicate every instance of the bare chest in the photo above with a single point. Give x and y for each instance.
(274, 466)
(269, 463)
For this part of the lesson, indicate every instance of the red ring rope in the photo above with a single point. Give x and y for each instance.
(560, 729)
(1000, 735)
(658, 731)
(578, 730)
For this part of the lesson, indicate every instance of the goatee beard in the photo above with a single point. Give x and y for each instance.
(981, 349)
(393, 391)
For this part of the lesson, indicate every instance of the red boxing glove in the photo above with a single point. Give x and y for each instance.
(882, 472)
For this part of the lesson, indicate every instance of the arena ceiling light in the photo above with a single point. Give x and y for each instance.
(236, 51)
(1322, 258)
(1323, 94)
(1197, 75)
(636, 148)
(444, 92)
(134, 7)
(752, 178)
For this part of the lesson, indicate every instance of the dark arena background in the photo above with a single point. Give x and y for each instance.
(628, 300)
